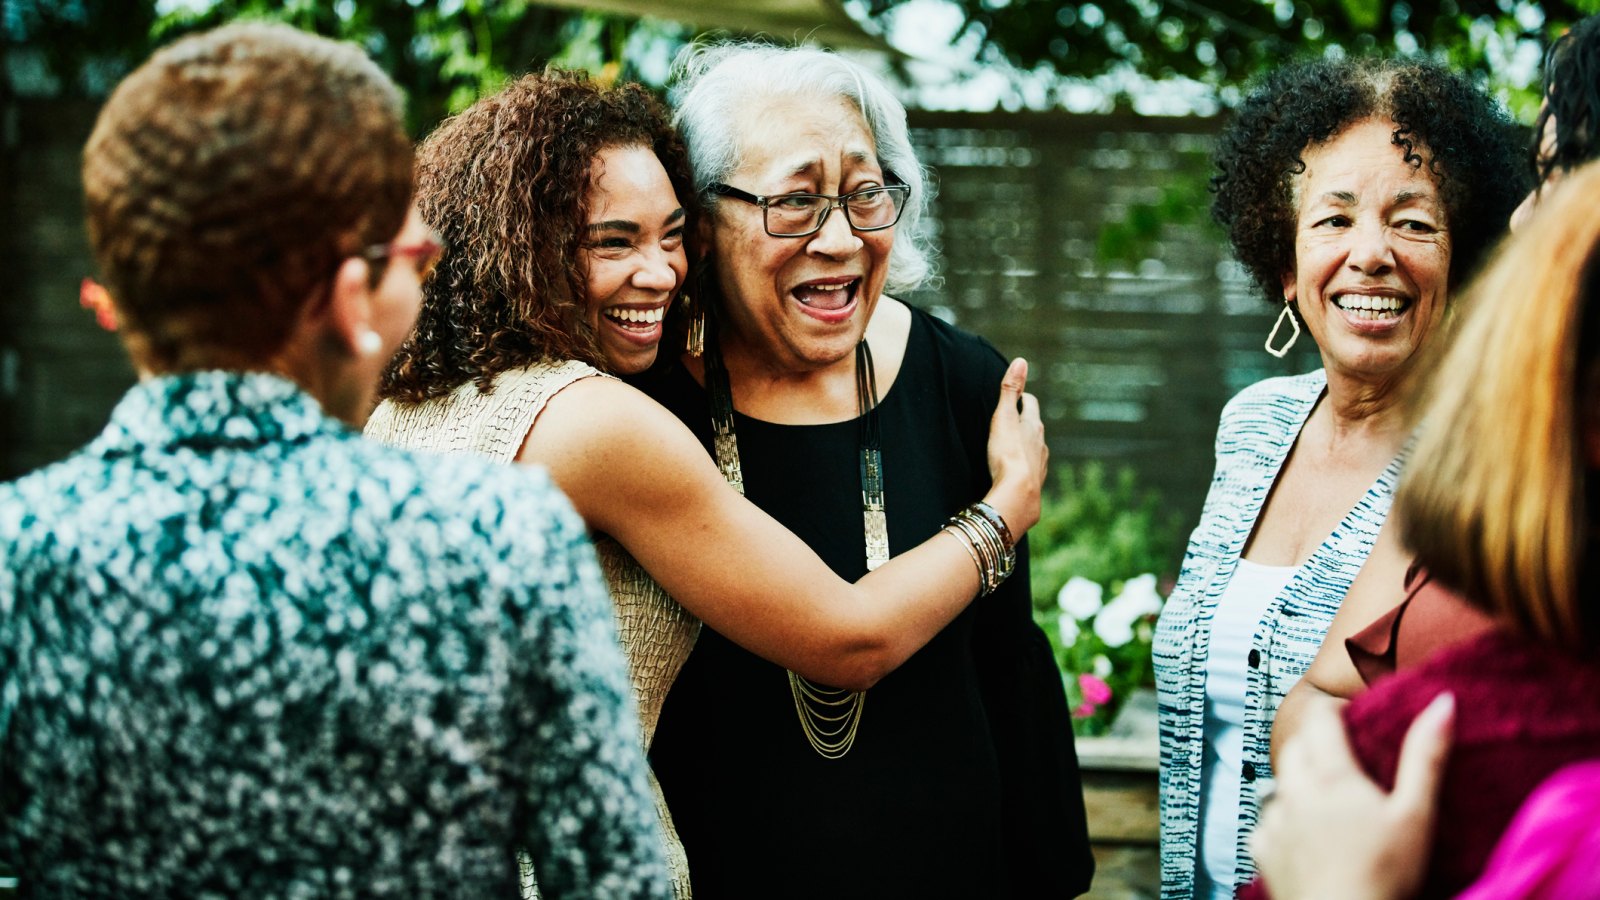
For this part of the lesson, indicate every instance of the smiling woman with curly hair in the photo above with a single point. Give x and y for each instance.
(1440, 120)
(566, 207)
(506, 181)
(1358, 193)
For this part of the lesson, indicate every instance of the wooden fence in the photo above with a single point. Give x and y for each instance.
(1084, 243)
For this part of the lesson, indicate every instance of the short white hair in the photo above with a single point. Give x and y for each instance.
(713, 84)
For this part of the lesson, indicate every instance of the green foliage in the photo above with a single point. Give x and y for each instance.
(444, 53)
(1184, 200)
(1227, 42)
(82, 47)
(1363, 15)
(1101, 527)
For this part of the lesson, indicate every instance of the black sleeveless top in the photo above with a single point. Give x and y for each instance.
(962, 781)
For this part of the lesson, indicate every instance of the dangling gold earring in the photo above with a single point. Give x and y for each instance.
(1281, 352)
(696, 344)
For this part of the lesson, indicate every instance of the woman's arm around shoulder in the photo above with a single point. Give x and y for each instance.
(634, 472)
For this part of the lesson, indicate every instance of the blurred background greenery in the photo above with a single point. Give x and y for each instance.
(448, 52)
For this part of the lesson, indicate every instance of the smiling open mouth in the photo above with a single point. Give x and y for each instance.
(636, 319)
(1372, 308)
(829, 297)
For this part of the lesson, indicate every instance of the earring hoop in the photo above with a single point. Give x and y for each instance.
(1294, 321)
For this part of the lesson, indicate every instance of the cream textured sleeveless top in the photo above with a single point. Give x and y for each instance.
(656, 633)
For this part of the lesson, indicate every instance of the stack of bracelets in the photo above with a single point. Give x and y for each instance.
(988, 541)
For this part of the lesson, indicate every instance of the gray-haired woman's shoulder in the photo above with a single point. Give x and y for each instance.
(956, 343)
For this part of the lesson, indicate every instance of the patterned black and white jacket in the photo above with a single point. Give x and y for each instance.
(245, 652)
(1258, 429)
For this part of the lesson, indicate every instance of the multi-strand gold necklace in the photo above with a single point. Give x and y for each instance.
(829, 717)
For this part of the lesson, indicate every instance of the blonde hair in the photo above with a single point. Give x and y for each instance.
(1494, 496)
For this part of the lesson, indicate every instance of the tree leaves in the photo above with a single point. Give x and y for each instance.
(1227, 42)
(444, 53)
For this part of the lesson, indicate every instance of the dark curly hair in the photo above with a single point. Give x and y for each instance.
(226, 180)
(506, 183)
(1572, 97)
(1442, 120)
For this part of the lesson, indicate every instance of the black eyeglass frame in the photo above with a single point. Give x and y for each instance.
(832, 202)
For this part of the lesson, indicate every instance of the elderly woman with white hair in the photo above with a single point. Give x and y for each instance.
(858, 422)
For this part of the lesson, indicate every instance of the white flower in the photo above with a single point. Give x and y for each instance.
(1140, 595)
(1113, 630)
(1102, 665)
(1080, 598)
(1069, 630)
(1138, 598)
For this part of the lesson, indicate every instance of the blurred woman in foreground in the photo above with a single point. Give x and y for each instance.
(244, 652)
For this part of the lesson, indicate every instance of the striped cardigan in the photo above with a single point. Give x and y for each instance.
(1258, 429)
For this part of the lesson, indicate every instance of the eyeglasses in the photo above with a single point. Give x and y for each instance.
(423, 254)
(798, 215)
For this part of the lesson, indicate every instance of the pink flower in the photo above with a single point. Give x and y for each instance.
(1095, 691)
(1083, 711)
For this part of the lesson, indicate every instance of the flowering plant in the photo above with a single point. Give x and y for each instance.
(1094, 533)
(1104, 647)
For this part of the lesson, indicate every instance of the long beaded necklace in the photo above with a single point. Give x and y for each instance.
(829, 716)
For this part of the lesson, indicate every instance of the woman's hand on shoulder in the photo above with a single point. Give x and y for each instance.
(1018, 456)
(1330, 831)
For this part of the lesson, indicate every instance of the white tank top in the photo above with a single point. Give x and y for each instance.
(1233, 629)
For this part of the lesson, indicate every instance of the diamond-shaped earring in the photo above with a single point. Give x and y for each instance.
(1281, 352)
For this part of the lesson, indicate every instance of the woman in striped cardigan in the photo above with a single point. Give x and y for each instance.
(1357, 193)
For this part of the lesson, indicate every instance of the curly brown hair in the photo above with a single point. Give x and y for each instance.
(225, 181)
(1572, 98)
(1442, 120)
(507, 184)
